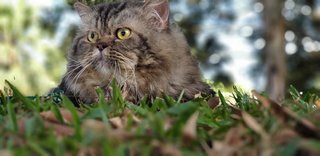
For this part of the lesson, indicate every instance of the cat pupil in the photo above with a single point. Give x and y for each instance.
(92, 35)
(123, 33)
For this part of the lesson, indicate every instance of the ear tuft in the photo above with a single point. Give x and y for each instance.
(83, 10)
(160, 11)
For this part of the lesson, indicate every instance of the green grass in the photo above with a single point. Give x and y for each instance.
(241, 124)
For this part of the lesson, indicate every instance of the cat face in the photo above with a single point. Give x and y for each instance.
(116, 37)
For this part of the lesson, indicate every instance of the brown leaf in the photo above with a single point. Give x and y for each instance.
(302, 126)
(116, 122)
(213, 102)
(265, 145)
(95, 126)
(235, 136)
(254, 125)
(59, 129)
(283, 136)
(101, 129)
(5, 153)
(50, 116)
(165, 149)
(89, 151)
(307, 147)
(189, 131)
(219, 149)
(318, 103)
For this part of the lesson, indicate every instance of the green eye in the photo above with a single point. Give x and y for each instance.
(123, 33)
(93, 36)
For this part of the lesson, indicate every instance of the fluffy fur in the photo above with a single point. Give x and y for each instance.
(155, 59)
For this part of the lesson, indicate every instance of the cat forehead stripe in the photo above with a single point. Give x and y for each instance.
(106, 12)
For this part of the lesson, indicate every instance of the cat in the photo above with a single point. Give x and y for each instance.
(134, 43)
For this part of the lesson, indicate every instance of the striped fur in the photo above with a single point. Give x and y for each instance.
(156, 58)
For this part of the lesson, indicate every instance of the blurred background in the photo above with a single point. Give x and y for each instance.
(265, 45)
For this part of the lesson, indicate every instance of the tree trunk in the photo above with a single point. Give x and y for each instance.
(275, 49)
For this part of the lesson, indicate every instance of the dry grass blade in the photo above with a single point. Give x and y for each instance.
(254, 125)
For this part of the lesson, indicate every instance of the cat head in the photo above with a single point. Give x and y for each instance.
(122, 36)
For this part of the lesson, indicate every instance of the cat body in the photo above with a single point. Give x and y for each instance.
(133, 43)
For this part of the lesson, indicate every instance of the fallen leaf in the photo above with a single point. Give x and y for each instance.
(302, 126)
(116, 122)
(254, 125)
(213, 102)
(5, 153)
(95, 126)
(189, 131)
(50, 116)
(165, 149)
(219, 148)
(235, 136)
(89, 151)
(59, 129)
(318, 103)
(283, 136)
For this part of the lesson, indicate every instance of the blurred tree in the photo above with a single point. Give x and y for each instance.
(274, 51)
(23, 49)
(32, 55)
(302, 24)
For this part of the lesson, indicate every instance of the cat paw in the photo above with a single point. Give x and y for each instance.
(89, 100)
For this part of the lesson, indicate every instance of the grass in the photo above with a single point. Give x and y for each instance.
(243, 124)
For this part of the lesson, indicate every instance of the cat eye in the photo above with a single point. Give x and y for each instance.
(123, 33)
(93, 36)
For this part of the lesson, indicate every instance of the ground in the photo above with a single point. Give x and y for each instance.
(242, 124)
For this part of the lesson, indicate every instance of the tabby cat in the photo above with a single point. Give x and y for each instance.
(134, 43)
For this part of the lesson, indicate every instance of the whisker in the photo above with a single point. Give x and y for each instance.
(76, 77)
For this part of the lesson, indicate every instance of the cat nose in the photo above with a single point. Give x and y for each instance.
(102, 46)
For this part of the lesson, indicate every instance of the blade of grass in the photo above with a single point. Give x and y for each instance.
(104, 109)
(37, 104)
(169, 101)
(57, 113)
(2, 98)
(12, 116)
(3, 101)
(36, 148)
(117, 98)
(75, 118)
(137, 109)
(17, 94)
(223, 104)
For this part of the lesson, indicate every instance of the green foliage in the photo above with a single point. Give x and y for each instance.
(28, 53)
(117, 127)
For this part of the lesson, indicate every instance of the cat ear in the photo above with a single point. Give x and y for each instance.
(158, 11)
(84, 11)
